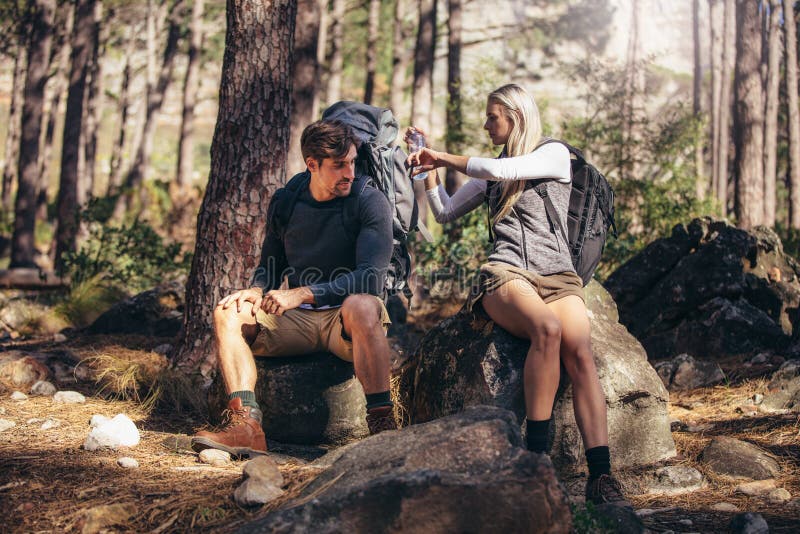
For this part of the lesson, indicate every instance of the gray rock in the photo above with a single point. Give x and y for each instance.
(685, 372)
(43, 388)
(127, 462)
(732, 457)
(778, 496)
(214, 457)
(464, 473)
(113, 433)
(676, 479)
(20, 370)
(69, 397)
(467, 360)
(156, 312)
(709, 289)
(5, 424)
(724, 507)
(163, 349)
(19, 396)
(757, 488)
(265, 469)
(305, 400)
(749, 523)
(49, 424)
(759, 358)
(783, 390)
(254, 492)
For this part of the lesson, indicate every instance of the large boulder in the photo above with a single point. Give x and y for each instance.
(468, 360)
(709, 290)
(308, 399)
(155, 312)
(465, 473)
(19, 370)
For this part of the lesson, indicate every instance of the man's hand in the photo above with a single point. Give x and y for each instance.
(279, 301)
(252, 295)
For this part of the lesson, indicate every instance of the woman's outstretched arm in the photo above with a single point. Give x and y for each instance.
(446, 208)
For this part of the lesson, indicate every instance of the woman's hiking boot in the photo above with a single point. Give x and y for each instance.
(605, 489)
(240, 434)
(380, 418)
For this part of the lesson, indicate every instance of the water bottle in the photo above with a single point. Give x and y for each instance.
(416, 141)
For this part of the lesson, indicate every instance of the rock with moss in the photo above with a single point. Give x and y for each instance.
(156, 312)
(468, 360)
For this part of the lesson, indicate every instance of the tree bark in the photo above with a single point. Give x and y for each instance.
(771, 109)
(422, 98)
(336, 63)
(155, 98)
(697, 95)
(728, 58)
(790, 38)
(10, 167)
(248, 162)
(123, 103)
(455, 120)
(373, 27)
(70, 195)
(305, 78)
(94, 99)
(749, 117)
(399, 58)
(715, 22)
(22, 240)
(191, 83)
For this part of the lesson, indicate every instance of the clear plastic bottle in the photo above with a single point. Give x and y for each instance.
(416, 141)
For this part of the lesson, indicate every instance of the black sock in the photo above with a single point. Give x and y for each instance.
(379, 399)
(599, 461)
(536, 435)
(248, 398)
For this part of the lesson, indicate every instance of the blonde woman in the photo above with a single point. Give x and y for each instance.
(529, 286)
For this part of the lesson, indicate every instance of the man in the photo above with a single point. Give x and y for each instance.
(317, 288)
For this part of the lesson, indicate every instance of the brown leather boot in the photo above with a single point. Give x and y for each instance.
(240, 434)
(381, 418)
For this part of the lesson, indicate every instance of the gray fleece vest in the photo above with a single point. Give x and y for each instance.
(525, 238)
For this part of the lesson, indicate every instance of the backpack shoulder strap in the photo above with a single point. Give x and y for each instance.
(286, 199)
(351, 204)
(552, 214)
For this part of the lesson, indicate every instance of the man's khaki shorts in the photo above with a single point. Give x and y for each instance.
(302, 331)
(549, 287)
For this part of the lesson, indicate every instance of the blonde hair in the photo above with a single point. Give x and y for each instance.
(526, 132)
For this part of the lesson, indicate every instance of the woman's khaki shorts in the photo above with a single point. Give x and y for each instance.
(302, 331)
(549, 287)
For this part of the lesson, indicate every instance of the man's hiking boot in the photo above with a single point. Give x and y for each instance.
(605, 489)
(381, 418)
(240, 434)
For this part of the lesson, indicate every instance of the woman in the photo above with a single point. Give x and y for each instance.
(529, 286)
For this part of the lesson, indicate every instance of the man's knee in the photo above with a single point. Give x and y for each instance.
(360, 311)
(228, 320)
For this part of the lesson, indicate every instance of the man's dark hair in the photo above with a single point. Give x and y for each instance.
(327, 139)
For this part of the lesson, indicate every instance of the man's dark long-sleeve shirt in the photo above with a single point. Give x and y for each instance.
(316, 249)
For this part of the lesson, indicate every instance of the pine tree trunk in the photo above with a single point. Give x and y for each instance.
(57, 89)
(728, 58)
(399, 58)
(748, 117)
(10, 166)
(697, 95)
(771, 120)
(455, 121)
(336, 63)
(41, 36)
(373, 27)
(304, 79)
(94, 99)
(70, 195)
(322, 49)
(191, 83)
(790, 38)
(123, 104)
(715, 21)
(422, 97)
(248, 162)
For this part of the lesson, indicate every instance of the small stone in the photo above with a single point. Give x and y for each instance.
(778, 496)
(59, 338)
(724, 507)
(82, 372)
(699, 428)
(747, 409)
(749, 523)
(127, 462)
(163, 349)
(69, 397)
(43, 388)
(5, 424)
(676, 425)
(676, 479)
(50, 423)
(100, 517)
(758, 398)
(758, 359)
(686, 522)
(34, 421)
(214, 457)
(19, 396)
(754, 489)
(264, 469)
(2, 411)
(253, 492)
(119, 431)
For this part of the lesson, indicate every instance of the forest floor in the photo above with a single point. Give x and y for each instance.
(48, 482)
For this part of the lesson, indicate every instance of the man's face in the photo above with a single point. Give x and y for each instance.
(333, 177)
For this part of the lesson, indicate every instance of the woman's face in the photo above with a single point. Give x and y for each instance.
(497, 123)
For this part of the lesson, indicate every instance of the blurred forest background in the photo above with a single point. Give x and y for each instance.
(109, 108)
